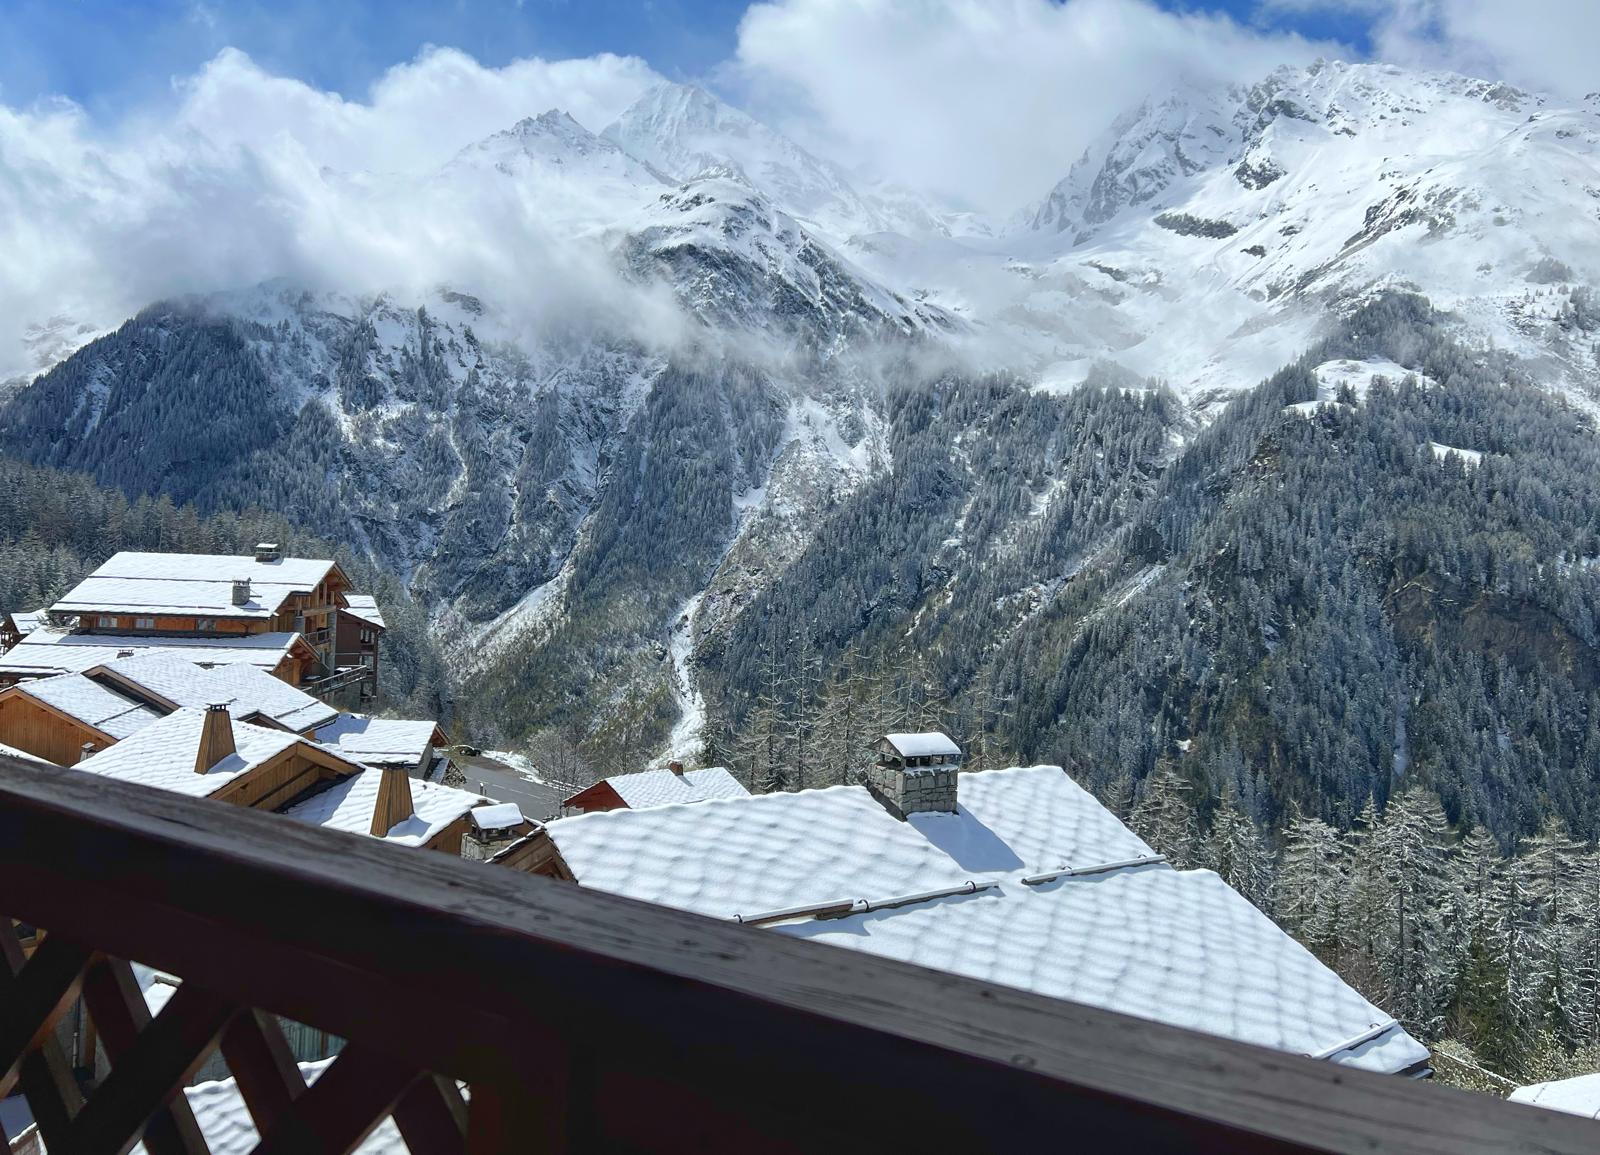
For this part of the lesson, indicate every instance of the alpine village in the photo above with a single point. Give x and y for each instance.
(1004, 577)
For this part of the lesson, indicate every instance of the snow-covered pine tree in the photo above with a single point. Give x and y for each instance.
(1411, 847)
(1236, 850)
(1164, 816)
(1313, 873)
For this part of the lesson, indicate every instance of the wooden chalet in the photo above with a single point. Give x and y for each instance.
(359, 628)
(582, 1021)
(206, 754)
(280, 613)
(70, 716)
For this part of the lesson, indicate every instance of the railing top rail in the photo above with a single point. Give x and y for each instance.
(502, 979)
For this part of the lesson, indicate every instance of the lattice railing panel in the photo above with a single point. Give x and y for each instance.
(152, 1058)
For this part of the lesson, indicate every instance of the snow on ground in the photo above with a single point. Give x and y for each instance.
(1359, 375)
(1469, 457)
(521, 763)
(685, 737)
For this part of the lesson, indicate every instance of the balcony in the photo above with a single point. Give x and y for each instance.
(578, 1021)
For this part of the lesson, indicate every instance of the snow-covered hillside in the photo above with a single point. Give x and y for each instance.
(500, 460)
(1210, 231)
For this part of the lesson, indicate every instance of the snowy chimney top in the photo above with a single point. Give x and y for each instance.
(241, 591)
(268, 551)
(676, 767)
(915, 773)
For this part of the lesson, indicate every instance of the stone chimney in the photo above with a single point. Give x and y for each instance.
(241, 591)
(394, 803)
(268, 551)
(908, 781)
(676, 767)
(216, 738)
(490, 829)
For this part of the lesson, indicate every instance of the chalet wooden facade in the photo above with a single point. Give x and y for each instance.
(358, 629)
(46, 731)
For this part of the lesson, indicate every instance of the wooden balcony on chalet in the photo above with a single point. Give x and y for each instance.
(490, 1011)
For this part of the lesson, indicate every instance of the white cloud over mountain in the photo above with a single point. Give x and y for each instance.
(988, 101)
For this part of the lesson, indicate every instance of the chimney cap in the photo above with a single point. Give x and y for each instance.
(214, 706)
(676, 767)
(268, 551)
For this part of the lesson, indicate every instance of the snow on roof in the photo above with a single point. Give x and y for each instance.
(378, 741)
(162, 754)
(755, 854)
(225, 1123)
(923, 745)
(1179, 947)
(497, 817)
(1033, 819)
(23, 755)
(90, 703)
(1579, 1096)
(246, 689)
(365, 607)
(46, 652)
(663, 787)
(27, 621)
(349, 802)
(192, 583)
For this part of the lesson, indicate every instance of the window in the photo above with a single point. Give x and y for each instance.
(206, 624)
(106, 622)
(144, 623)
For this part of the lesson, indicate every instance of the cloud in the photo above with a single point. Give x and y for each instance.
(245, 176)
(1544, 45)
(985, 101)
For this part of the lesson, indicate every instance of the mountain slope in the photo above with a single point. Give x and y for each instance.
(1248, 214)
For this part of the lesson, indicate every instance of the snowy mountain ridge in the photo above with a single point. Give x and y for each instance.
(517, 471)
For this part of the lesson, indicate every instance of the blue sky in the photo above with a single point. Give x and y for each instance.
(107, 53)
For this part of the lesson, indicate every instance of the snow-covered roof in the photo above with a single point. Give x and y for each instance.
(379, 741)
(48, 651)
(758, 853)
(931, 744)
(90, 703)
(1180, 947)
(365, 607)
(27, 621)
(754, 854)
(500, 816)
(663, 787)
(349, 802)
(23, 755)
(1145, 939)
(1579, 1096)
(192, 583)
(162, 754)
(246, 689)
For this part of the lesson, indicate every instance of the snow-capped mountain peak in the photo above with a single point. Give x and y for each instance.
(685, 131)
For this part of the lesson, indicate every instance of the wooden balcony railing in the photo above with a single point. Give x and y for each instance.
(584, 1022)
